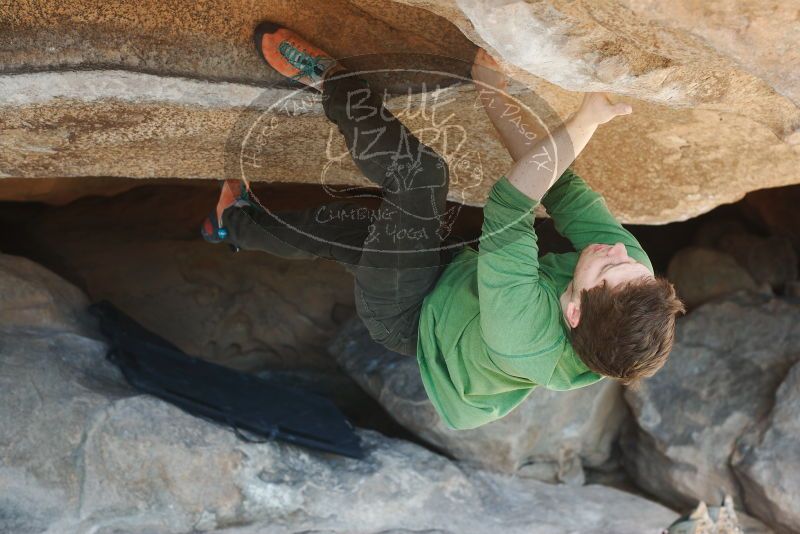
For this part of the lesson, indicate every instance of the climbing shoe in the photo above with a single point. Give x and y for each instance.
(234, 193)
(293, 56)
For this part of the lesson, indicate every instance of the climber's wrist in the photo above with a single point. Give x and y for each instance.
(584, 118)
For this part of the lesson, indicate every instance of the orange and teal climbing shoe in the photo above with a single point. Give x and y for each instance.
(234, 193)
(293, 56)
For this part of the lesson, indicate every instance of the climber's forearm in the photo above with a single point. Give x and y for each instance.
(539, 161)
(518, 129)
(541, 165)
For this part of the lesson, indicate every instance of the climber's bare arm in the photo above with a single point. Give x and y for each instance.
(517, 127)
(540, 160)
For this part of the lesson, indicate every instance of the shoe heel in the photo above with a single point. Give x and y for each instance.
(215, 234)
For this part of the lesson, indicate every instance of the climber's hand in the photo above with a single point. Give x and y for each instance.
(486, 71)
(598, 109)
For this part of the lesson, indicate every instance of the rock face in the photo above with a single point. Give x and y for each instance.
(767, 460)
(769, 260)
(82, 452)
(776, 210)
(60, 191)
(551, 436)
(727, 257)
(729, 357)
(32, 296)
(145, 91)
(702, 274)
(248, 310)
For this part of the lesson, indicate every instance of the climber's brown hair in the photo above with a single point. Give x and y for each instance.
(626, 332)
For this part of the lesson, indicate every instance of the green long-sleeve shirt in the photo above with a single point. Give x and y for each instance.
(492, 329)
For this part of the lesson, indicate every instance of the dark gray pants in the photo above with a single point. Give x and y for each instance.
(395, 252)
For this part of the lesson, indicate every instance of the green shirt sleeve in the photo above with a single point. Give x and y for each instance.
(518, 319)
(581, 215)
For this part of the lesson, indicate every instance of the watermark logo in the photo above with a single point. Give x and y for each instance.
(389, 146)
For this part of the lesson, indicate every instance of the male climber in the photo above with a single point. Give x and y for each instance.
(486, 326)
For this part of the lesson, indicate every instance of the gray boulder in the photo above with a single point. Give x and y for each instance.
(767, 460)
(729, 357)
(248, 310)
(702, 274)
(32, 296)
(551, 436)
(81, 452)
(771, 260)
